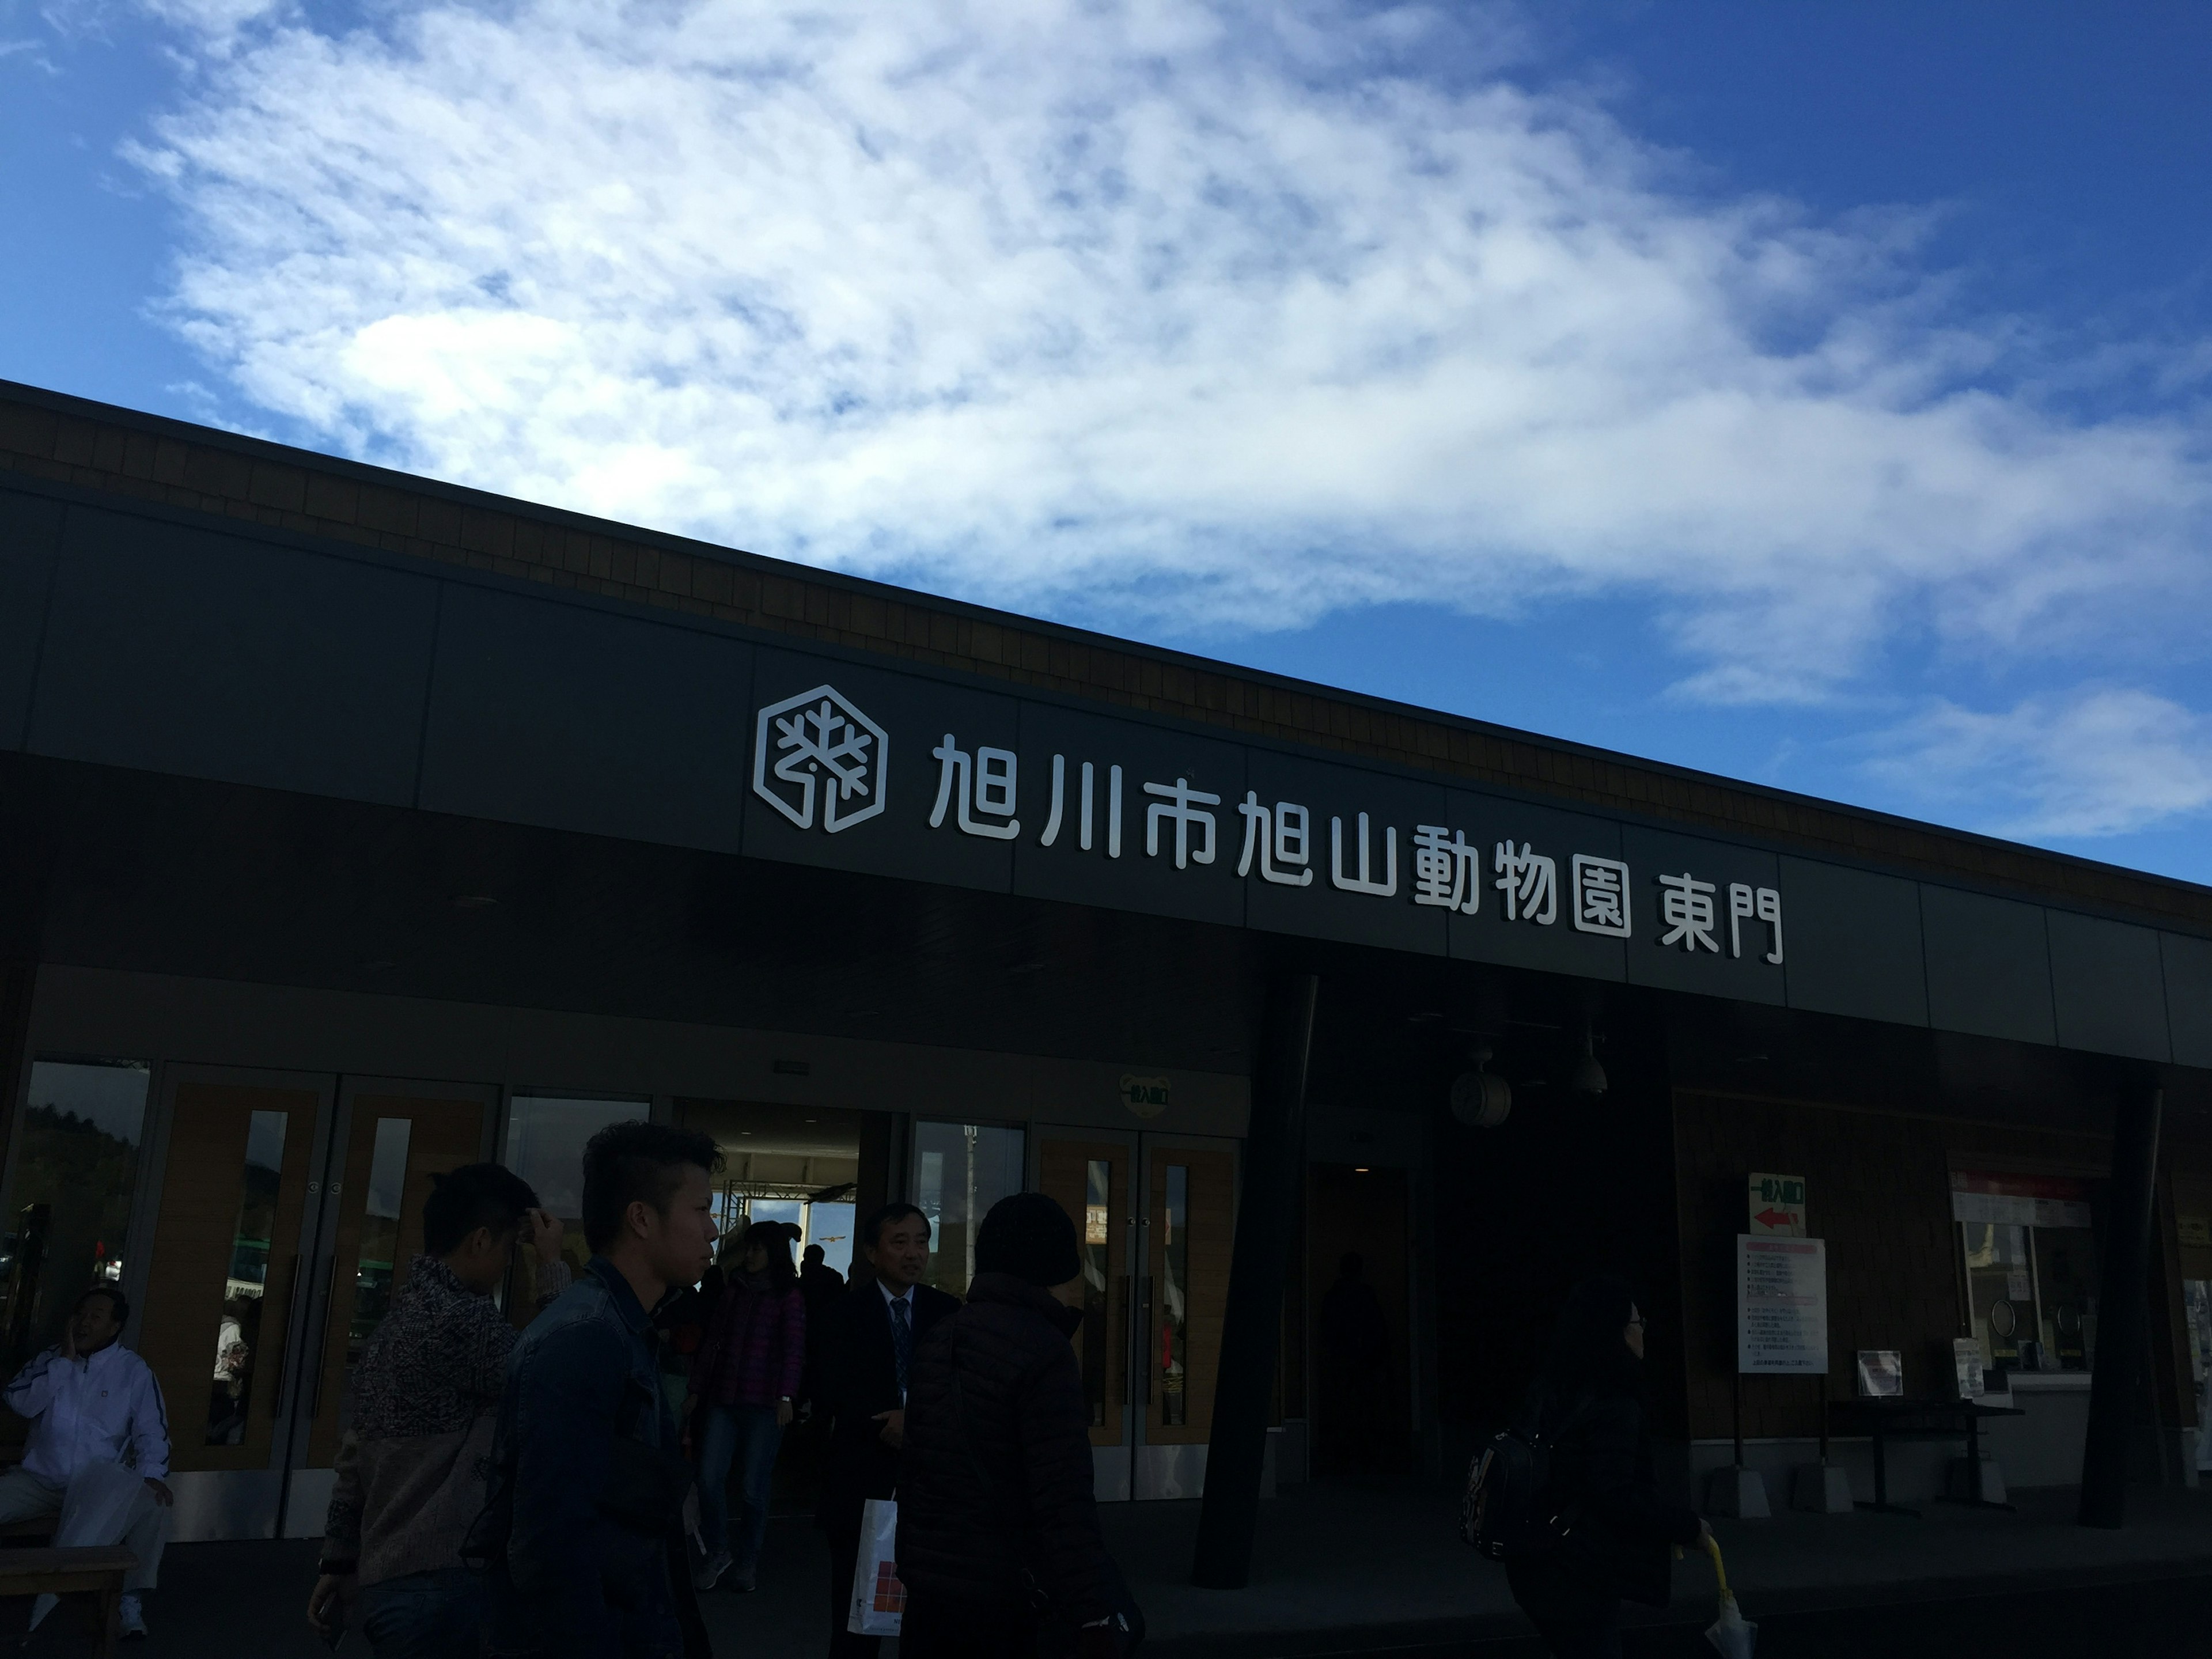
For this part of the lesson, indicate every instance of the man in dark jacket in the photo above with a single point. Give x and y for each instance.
(999, 1541)
(583, 1531)
(866, 1353)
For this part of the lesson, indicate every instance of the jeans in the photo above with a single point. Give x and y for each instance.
(425, 1615)
(749, 1437)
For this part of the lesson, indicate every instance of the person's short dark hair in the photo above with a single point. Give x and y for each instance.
(635, 1162)
(873, 1229)
(118, 1303)
(474, 1195)
(813, 1253)
(1353, 1265)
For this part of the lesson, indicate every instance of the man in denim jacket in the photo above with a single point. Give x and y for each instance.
(587, 1477)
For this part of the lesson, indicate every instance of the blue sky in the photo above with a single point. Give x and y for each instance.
(1813, 394)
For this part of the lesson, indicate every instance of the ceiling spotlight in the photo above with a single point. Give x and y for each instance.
(1588, 1077)
(1480, 1099)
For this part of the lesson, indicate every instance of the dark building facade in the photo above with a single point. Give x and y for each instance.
(353, 826)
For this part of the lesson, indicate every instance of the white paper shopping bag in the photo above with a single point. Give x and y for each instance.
(878, 1599)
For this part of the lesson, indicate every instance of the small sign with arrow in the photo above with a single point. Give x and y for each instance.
(1778, 1206)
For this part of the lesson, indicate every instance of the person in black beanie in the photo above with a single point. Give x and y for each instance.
(1589, 1402)
(999, 1542)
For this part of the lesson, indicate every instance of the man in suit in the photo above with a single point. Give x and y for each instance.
(865, 1357)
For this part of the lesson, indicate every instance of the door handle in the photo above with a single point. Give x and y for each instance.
(322, 1348)
(291, 1283)
(1144, 1340)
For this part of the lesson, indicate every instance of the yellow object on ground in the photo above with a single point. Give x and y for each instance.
(1732, 1635)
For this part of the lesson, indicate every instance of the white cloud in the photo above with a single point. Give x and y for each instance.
(2098, 760)
(1192, 311)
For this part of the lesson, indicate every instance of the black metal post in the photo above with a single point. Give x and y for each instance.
(1259, 1266)
(1738, 1401)
(2122, 1306)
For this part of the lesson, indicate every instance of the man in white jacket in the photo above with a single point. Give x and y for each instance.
(91, 1402)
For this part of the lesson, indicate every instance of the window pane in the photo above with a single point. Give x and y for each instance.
(238, 1333)
(1098, 1233)
(1174, 1284)
(2000, 1289)
(963, 1169)
(830, 1224)
(76, 1171)
(380, 1234)
(545, 1137)
(2066, 1277)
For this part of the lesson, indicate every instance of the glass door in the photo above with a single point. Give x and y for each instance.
(1189, 1198)
(1088, 1173)
(222, 1316)
(391, 1141)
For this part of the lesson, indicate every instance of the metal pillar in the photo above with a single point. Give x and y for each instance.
(1259, 1266)
(2122, 1306)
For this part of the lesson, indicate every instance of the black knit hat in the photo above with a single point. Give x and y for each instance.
(1030, 1237)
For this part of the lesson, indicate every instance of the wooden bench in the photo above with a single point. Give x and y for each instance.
(96, 1572)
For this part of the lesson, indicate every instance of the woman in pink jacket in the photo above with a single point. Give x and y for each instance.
(742, 1380)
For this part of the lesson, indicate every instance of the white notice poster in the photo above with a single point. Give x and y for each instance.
(1781, 1305)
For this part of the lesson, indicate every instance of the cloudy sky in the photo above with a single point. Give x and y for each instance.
(1816, 395)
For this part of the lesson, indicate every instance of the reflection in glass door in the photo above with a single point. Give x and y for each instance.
(1089, 1177)
(70, 1192)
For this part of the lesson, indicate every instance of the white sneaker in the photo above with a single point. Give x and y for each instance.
(130, 1618)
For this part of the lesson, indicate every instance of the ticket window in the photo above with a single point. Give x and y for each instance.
(2032, 1293)
(2029, 1257)
(2000, 1290)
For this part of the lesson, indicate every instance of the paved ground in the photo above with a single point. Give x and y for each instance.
(1340, 1572)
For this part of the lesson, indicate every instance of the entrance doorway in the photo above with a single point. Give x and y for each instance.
(287, 1210)
(1356, 1280)
(816, 1171)
(1156, 1215)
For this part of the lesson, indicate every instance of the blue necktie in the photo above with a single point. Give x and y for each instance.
(902, 1342)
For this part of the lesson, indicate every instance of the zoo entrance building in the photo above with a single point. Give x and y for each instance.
(354, 826)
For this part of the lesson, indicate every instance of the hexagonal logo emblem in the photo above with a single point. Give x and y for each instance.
(817, 748)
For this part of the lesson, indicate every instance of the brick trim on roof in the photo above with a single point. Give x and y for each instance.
(123, 453)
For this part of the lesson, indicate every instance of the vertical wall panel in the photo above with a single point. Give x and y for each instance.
(2109, 988)
(30, 530)
(1989, 965)
(1854, 943)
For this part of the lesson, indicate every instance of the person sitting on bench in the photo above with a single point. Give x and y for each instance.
(90, 1401)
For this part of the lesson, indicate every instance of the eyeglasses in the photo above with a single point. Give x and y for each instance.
(1637, 1323)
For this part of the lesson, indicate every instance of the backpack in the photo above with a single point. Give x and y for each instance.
(1507, 1511)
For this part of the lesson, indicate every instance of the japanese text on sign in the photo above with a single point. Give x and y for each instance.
(1781, 1305)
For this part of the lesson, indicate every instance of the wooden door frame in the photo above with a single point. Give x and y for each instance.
(1122, 1454)
(1188, 1453)
(322, 1260)
(170, 1077)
